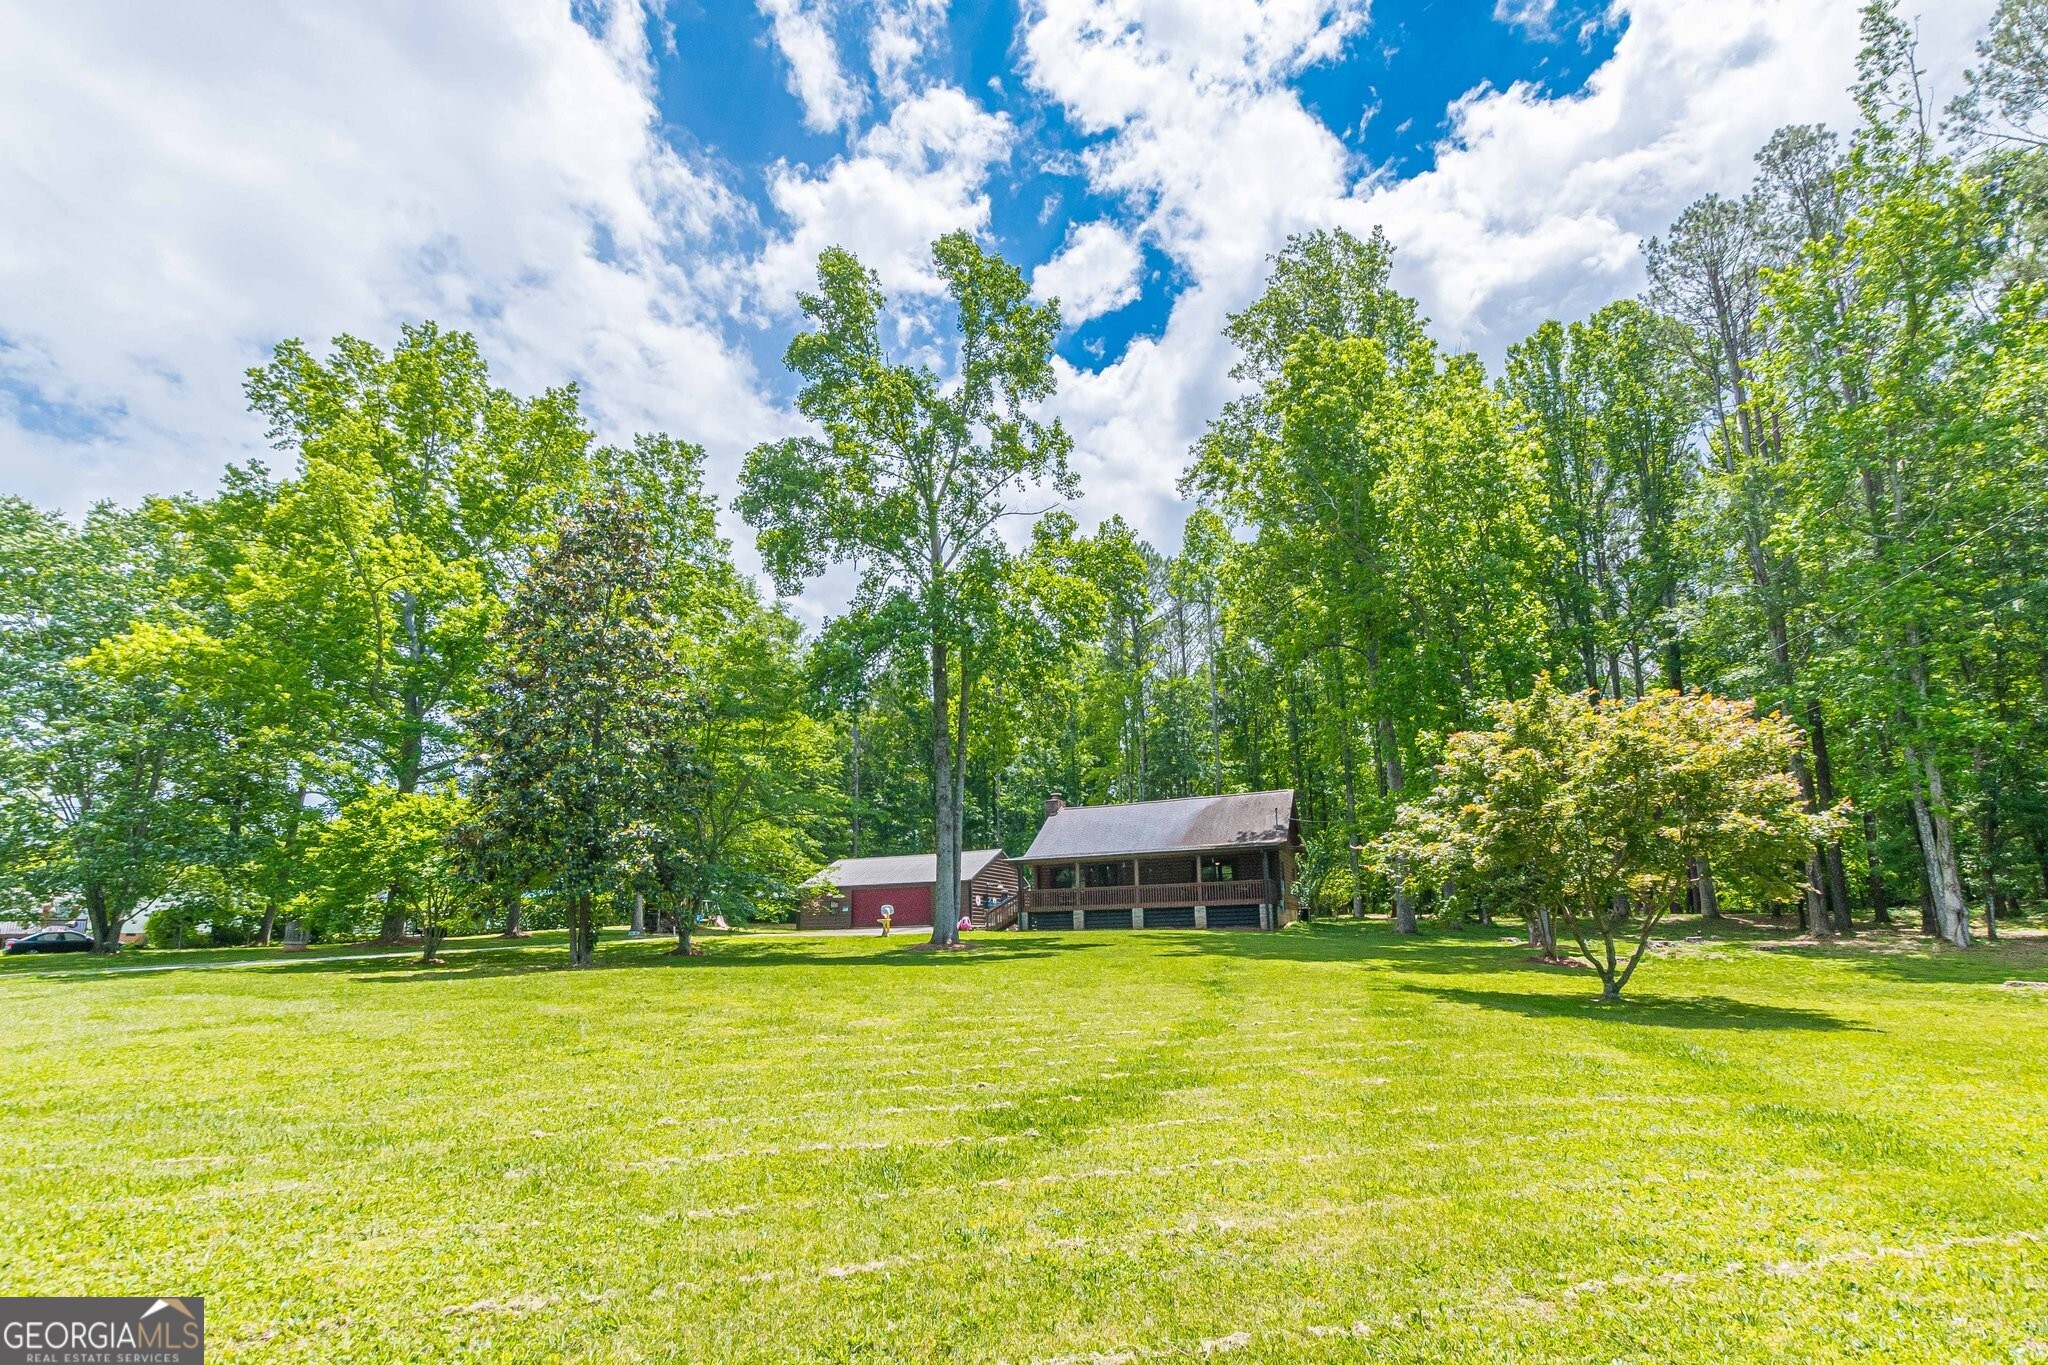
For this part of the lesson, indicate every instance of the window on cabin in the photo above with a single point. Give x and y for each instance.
(1219, 869)
(1105, 874)
(1060, 878)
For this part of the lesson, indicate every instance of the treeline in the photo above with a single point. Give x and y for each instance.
(1807, 466)
(281, 701)
(461, 663)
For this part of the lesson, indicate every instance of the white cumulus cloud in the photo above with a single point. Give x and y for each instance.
(1534, 208)
(185, 185)
(1096, 272)
(906, 183)
(803, 36)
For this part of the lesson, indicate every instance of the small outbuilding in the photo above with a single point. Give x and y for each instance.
(851, 893)
(1197, 862)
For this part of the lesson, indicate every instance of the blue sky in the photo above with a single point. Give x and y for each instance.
(725, 94)
(629, 193)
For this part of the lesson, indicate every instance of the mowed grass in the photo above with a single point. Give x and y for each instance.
(1328, 1143)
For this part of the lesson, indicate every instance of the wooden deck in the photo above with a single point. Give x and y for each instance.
(1164, 893)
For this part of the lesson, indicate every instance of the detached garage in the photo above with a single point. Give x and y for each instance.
(850, 893)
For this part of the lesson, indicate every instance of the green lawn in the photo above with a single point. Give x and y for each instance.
(1323, 1144)
(137, 956)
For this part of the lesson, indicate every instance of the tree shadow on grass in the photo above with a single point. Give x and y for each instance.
(720, 955)
(1657, 1011)
(1433, 949)
(1932, 963)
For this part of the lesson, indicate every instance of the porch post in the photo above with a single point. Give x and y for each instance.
(1267, 911)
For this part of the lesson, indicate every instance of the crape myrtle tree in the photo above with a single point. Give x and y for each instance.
(911, 474)
(1595, 813)
(577, 736)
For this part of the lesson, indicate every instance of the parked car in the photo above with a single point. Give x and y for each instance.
(52, 940)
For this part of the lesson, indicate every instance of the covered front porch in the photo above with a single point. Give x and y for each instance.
(1234, 889)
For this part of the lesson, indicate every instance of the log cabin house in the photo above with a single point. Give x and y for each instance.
(1197, 862)
(850, 893)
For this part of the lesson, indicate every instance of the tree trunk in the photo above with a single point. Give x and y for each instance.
(1836, 880)
(1390, 759)
(1930, 923)
(269, 923)
(638, 928)
(1351, 836)
(945, 819)
(1987, 847)
(430, 942)
(582, 931)
(515, 906)
(1815, 913)
(1819, 923)
(392, 930)
(1703, 887)
(686, 923)
(1404, 900)
(1880, 913)
(106, 934)
(1937, 843)
(960, 783)
(1350, 783)
(2040, 842)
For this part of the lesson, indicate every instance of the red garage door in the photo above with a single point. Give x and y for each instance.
(913, 905)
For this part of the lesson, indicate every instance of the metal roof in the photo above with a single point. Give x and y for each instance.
(906, 869)
(1187, 825)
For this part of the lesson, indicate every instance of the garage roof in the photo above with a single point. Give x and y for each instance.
(908, 869)
(1187, 825)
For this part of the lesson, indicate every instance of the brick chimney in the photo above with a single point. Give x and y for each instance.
(1054, 804)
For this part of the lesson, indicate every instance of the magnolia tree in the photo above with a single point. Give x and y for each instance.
(1595, 812)
(577, 739)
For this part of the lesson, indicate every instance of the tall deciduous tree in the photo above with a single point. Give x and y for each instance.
(912, 472)
(99, 714)
(380, 563)
(1876, 327)
(1395, 510)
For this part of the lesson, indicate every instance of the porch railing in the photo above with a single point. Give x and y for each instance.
(1001, 915)
(1254, 892)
